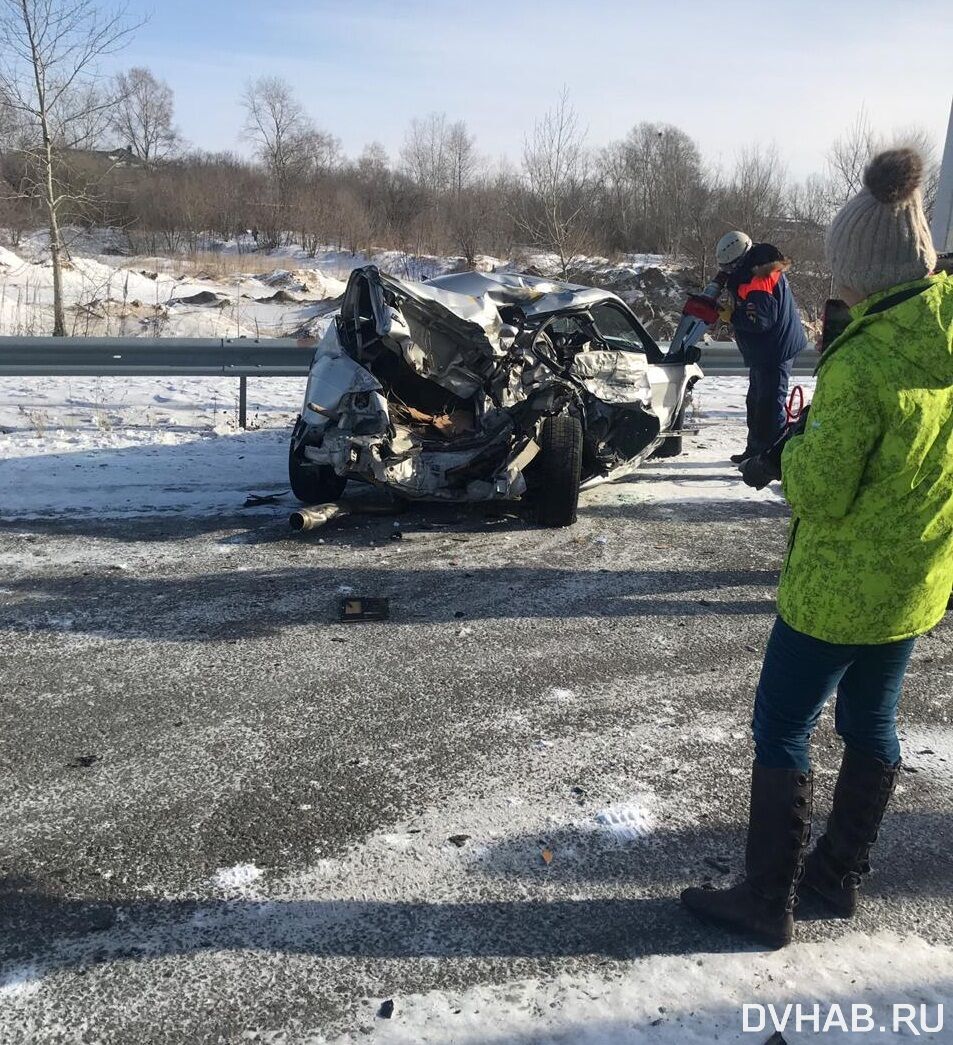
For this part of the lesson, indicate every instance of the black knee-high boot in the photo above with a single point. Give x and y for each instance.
(779, 828)
(841, 857)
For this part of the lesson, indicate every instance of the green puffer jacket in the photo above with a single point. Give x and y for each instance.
(870, 553)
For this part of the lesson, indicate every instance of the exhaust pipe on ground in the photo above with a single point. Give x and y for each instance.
(315, 516)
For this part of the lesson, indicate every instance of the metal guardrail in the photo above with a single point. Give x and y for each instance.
(158, 357)
(154, 356)
(722, 359)
(230, 357)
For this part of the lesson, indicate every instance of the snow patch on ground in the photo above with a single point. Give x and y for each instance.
(626, 821)
(20, 982)
(930, 751)
(237, 879)
(125, 474)
(692, 1000)
(108, 296)
(115, 447)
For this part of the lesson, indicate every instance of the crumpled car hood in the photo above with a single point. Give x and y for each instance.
(535, 295)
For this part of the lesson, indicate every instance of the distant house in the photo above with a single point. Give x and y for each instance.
(91, 162)
(106, 158)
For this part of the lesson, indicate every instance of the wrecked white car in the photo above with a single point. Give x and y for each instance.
(482, 386)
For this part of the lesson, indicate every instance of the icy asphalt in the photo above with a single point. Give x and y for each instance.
(223, 814)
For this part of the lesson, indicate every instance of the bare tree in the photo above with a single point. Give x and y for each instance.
(17, 209)
(9, 124)
(425, 153)
(753, 197)
(353, 223)
(48, 55)
(702, 224)
(556, 169)
(463, 162)
(849, 155)
(470, 218)
(809, 203)
(143, 117)
(275, 122)
(373, 162)
(438, 155)
(286, 140)
(372, 179)
(87, 111)
(809, 212)
(647, 183)
(919, 139)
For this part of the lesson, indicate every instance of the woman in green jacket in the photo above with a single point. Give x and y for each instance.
(869, 564)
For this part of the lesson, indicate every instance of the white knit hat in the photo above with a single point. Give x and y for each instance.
(880, 238)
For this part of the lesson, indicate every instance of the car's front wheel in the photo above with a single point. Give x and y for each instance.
(558, 470)
(313, 484)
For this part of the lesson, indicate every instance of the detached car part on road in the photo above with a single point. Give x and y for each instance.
(483, 386)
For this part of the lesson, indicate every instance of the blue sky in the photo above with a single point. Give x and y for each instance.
(789, 72)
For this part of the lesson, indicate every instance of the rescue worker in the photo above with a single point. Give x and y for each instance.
(768, 331)
(869, 563)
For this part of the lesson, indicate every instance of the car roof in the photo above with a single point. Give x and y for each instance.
(535, 295)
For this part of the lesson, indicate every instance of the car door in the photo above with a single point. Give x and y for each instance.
(668, 380)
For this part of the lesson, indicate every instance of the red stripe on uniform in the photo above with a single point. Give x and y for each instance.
(765, 283)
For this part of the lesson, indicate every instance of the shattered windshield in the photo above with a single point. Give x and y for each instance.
(617, 328)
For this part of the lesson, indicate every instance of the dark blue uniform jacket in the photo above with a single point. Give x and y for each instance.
(765, 318)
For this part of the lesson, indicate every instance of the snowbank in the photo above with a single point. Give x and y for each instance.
(104, 299)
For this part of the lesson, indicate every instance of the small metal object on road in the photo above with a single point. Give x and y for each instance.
(82, 761)
(257, 500)
(459, 840)
(353, 608)
(315, 516)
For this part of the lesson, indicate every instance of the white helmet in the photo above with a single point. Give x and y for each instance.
(731, 248)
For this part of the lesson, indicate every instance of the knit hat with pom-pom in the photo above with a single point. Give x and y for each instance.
(880, 238)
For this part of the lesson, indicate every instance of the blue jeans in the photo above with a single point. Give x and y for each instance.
(798, 676)
(766, 401)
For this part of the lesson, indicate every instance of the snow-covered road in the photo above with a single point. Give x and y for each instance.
(225, 817)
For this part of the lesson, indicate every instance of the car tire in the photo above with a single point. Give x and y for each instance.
(313, 484)
(559, 470)
(674, 446)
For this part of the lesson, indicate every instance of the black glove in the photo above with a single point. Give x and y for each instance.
(765, 467)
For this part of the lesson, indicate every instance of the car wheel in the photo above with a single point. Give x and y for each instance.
(559, 470)
(672, 447)
(314, 484)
